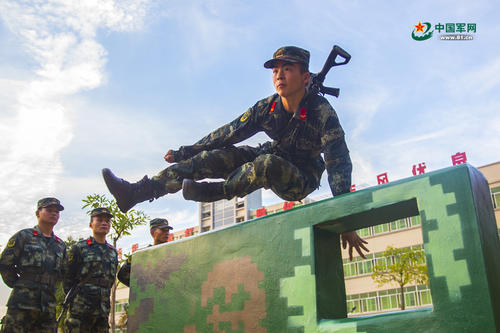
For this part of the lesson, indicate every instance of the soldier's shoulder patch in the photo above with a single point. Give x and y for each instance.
(11, 242)
(245, 116)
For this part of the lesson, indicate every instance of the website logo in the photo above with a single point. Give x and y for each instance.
(447, 31)
(422, 31)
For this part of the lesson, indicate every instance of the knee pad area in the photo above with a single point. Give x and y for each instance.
(265, 164)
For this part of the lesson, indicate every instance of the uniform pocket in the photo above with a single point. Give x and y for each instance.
(92, 262)
(110, 264)
(32, 256)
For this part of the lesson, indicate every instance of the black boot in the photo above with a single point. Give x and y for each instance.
(128, 195)
(203, 191)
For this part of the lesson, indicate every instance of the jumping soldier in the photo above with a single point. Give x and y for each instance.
(302, 125)
(32, 264)
(160, 230)
(92, 265)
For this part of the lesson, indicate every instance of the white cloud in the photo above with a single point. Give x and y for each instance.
(60, 37)
(419, 138)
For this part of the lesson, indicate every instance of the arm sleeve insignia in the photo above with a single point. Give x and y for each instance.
(11, 242)
(245, 116)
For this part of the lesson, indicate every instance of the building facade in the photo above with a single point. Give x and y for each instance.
(223, 213)
(492, 174)
(364, 296)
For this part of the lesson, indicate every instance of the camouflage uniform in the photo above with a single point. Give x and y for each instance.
(291, 165)
(124, 271)
(32, 264)
(93, 266)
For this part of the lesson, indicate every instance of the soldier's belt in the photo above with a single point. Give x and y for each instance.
(105, 283)
(44, 278)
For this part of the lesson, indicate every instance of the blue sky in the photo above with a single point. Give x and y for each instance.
(94, 84)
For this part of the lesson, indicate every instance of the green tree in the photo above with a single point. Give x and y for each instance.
(402, 266)
(121, 225)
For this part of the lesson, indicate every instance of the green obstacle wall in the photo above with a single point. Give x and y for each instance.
(283, 272)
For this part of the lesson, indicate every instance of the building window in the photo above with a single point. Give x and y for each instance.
(415, 221)
(388, 300)
(380, 229)
(224, 212)
(495, 195)
(398, 225)
(424, 295)
(405, 223)
(365, 266)
(365, 232)
(381, 260)
(349, 269)
(119, 307)
(206, 206)
(359, 266)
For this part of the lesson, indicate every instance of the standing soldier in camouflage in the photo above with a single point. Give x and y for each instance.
(32, 264)
(91, 265)
(302, 125)
(160, 230)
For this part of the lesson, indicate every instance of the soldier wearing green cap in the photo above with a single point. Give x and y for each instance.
(160, 230)
(32, 264)
(91, 265)
(302, 126)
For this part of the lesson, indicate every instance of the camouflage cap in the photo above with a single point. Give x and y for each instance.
(100, 211)
(290, 54)
(159, 223)
(46, 202)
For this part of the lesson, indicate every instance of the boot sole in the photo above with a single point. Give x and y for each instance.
(110, 179)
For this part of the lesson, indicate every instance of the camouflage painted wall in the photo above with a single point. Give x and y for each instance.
(283, 272)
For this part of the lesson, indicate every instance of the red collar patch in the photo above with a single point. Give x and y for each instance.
(35, 232)
(89, 241)
(272, 107)
(303, 113)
